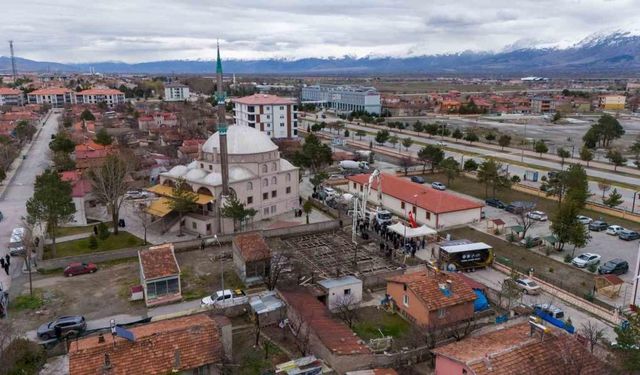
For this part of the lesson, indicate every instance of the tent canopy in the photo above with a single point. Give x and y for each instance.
(167, 191)
(409, 232)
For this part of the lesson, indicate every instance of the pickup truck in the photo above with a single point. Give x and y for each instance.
(223, 299)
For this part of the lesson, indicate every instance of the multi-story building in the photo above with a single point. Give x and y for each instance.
(57, 97)
(542, 104)
(95, 96)
(175, 92)
(274, 115)
(612, 102)
(9, 96)
(344, 98)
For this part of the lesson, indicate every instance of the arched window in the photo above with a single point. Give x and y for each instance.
(288, 178)
(274, 180)
(274, 167)
(265, 182)
(264, 168)
(249, 186)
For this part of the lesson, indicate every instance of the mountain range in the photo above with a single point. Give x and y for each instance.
(614, 54)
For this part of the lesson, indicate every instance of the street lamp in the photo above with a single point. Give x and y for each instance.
(633, 205)
(215, 237)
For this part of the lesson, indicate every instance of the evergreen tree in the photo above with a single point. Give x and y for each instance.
(430, 154)
(540, 147)
(616, 158)
(86, 115)
(504, 141)
(586, 154)
(382, 137)
(451, 169)
(614, 199)
(457, 134)
(236, 210)
(183, 200)
(103, 138)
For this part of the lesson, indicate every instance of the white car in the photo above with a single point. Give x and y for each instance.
(441, 144)
(329, 192)
(529, 286)
(537, 215)
(584, 219)
(614, 230)
(224, 299)
(438, 186)
(586, 259)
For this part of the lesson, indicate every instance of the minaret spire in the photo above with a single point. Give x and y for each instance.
(222, 126)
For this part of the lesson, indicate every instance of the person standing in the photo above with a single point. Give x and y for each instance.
(2, 262)
(7, 259)
(6, 268)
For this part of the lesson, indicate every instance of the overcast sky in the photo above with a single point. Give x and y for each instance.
(146, 30)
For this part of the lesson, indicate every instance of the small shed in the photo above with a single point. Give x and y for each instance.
(251, 257)
(342, 291)
(267, 307)
(497, 225)
(159, 275)
(609, 285)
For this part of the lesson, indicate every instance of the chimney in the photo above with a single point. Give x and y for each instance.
(487, 362)
(101, 339)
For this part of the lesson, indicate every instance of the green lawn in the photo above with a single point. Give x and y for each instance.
(81, 246)
(69, 231)
(371, 321)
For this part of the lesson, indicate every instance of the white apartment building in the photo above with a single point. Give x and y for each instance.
(9, 96)
(57, 97)
(176, 92)
(344, 98)
(274, 115)
(95, 96)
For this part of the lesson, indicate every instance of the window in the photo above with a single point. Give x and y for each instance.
(405, 300)
(414, 209)
(269, 133)
(264, 168)
(347, 292)
(274, 180)
(402, 205)
(273, 210)
(252, 117)
(428, 214)
(274, 167)
(295, 132)
(210, 167)
(201, 165)
(265, 182)
(249, 199)
(442, 313)
(282, 124)
(265, 196)
(266, 212)
(268, 117)
(194, 225)
(249, 186)
(251, 108)
(288, 190)
(288, 177)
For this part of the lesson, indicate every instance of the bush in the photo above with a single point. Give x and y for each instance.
(496, 232)
(23, 356)
(511, 237)
(567, 258)
(550, 269)
(93, 242)
(103, 231)
(593, 268)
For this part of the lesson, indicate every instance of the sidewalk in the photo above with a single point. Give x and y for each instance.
(69, 238)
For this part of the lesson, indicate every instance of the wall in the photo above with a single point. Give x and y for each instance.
(335, 295)
(415, 311)
(445, 366)
(459, 217)
(453, 314)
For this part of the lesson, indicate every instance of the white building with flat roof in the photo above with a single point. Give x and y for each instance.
(274, 115)
(344, 98)
(95, 96)
(9, 96)
(57, 97)
(176, 92)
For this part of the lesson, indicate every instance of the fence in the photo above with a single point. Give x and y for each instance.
(132, 252)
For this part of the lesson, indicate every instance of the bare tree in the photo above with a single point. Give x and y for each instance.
(301, 335)
(509, 292)
(345, 308)
(604, 187)
(593, 332)
(459, 331)
(280, 263)
(110, 183)
(523, 220)
(140, 211)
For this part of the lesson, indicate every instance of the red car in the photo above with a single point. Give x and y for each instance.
(79, 268)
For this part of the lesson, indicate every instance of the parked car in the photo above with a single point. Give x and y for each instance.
(598, 225)
(615, 267)
(418, 179)
(550, 309)
(438, 186)
(614, 230)
(441, 144)
(529, 286)
(584, 219)
(329, 191)
(79, 269)
(226, 298)
(517, 207)
(586, 259)
(628, 235)
(537, 215)
(495, 202)
(529, 242)
(74, 324)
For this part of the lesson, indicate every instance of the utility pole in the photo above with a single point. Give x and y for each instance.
(13, 62)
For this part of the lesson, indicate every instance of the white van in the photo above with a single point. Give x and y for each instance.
(16, 244)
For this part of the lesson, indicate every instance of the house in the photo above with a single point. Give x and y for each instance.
(90, 154)
(159, 275)
(524, 348)
(57, 97)
(343, 291)
(80, 193)
(157, 120)
(542, 104)
(612, 102)
(328, 338)
(432, 300)
(190, 148)
(274, 115)
(193, 344)
(251, 257)
(9, 96)
(175, 91)
(434, 208)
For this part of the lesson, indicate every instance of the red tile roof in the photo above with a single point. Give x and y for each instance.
(263, 99)
(101, 92)
(9, 91)
(430, 199)
(194, 339)
(252, 246)
(51, 91)
(426, 286)
(513, 351)
(158, 261)
(333, 333)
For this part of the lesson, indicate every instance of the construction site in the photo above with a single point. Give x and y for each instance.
(332, 254)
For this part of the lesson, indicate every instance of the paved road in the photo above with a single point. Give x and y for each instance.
(21, 189)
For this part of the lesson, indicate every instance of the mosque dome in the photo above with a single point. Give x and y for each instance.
(178, 171)
(242, 139)
(195, 175)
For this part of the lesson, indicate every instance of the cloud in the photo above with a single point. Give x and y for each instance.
(144, 30)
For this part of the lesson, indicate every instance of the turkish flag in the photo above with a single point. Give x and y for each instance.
(412, 220)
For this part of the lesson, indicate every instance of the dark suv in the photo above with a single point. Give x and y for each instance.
(598, 225)
(418, 179)
(495, 202)
(614, 266)
(66, 325)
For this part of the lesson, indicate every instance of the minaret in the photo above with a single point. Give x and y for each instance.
(222, 128)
